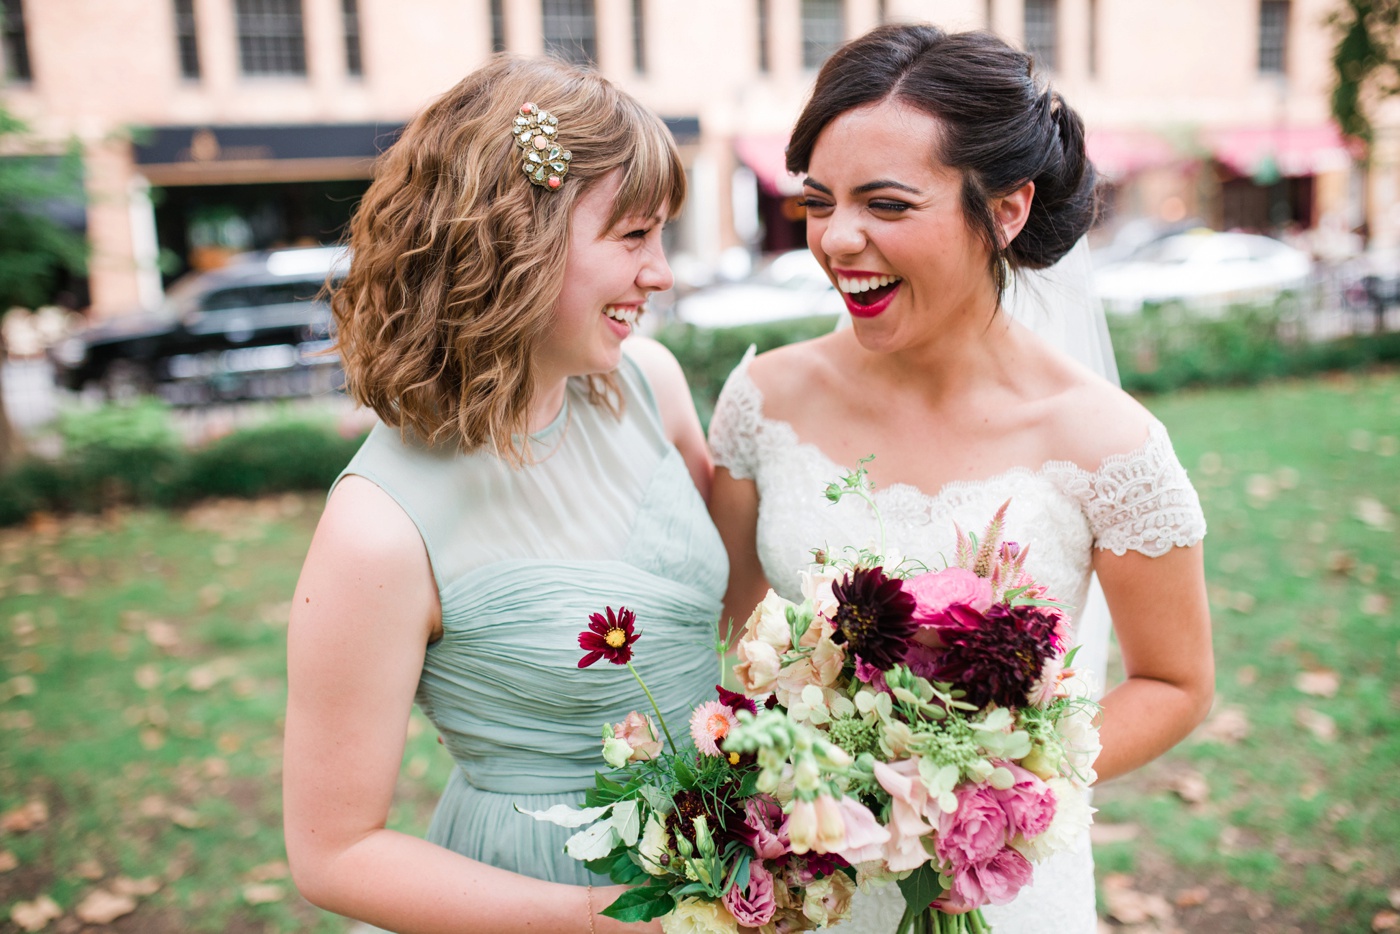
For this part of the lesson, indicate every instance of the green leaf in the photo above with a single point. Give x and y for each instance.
(603, 865)
(685, 772)
(625, 870)
(921, 887)
(641, 904)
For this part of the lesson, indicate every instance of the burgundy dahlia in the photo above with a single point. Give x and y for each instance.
(996, 656)
(874, 616)
(609, 637)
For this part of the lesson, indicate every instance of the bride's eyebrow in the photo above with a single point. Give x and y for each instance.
(884, 183)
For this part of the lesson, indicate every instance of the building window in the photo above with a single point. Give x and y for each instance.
(823, 28)
(271, 40)
(1042, 37)
(639, 39)
(571, 31)
(763, 65)
(185, 45)
(354, 59)
(498, 26)
(1273, 36)
(16, 44)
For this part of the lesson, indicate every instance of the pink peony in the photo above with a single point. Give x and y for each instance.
(765, 827)
(637, 731)
(936, 591)
(976, 830)
(754, 906)
(1029, 804)
(709, 725)
(865, 837)
(994, 882)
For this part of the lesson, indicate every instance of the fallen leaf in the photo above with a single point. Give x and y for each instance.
(1344, 862)
(152, 806)
(186, 818)
(214, 767)
(124, 885)
(1246, 675)
(35, 915)
(263, 893)
(1321, 683)
(1340, 561)
(1385, 921)
(8, 861)
(1129, 906)
(17, 720)
(1102, 834)
(1359, 439)
(1229, 725)
(148, 677)
(269, 872)
(1375, 604)
(1388, 446)
(1190, 898)
(104, 907)
(21, 686)
(202, 678)
(1394, 898)
(1287, 478)
(1260, 489)
(26, 817)
(1191, 787)
(89, 869)
(224, 555)
(1373, 513)
(152, 739)
(162, 634)
(1242, 602)
(210, 596)
(1317, 723)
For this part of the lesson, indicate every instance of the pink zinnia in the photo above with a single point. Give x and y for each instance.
(709, 725)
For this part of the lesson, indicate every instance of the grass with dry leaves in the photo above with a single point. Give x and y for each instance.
(143, 685)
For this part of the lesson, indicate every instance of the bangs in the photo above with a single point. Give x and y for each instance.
(653, 177)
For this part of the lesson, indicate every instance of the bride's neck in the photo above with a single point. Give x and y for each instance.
(955, 360)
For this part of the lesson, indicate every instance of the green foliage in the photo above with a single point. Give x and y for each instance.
(34, 249)
(1365, 61)
(1169, 347)
(132, 454)
(709, 355)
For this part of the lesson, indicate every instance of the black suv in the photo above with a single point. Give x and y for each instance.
(256, 327)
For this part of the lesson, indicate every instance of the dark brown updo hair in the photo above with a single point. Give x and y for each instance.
(999, 128)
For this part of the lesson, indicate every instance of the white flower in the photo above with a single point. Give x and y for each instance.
(1073, 815)
(655, 843)
(768, 622)
(758, 667)
(816, 587)
(695, 916)
(616, 752)
(1080, 739)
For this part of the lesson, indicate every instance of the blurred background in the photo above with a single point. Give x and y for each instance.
(174, 175)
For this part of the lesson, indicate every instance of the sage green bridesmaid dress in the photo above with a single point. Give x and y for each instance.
(607, 515)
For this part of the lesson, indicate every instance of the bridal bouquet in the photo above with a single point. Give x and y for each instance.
(969, 735)
(688, 827)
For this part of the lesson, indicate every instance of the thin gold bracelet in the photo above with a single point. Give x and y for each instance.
(588, 893)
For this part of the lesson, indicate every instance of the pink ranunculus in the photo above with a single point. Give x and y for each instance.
(976, 829)
(765, 827)
(993, 882)
(865, 837)
(637, 731)
(936, 591)
(754, 906)
(905, 849)
(1029, 803)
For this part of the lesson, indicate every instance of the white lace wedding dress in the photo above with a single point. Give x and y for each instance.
(1139, 500)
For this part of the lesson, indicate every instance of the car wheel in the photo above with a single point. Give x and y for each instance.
(125, 380)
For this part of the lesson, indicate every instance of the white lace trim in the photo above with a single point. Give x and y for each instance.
(1141, 500)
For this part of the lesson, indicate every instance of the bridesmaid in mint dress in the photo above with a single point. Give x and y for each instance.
(529, 469)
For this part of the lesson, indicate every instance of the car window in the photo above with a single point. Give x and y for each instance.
(260, 296)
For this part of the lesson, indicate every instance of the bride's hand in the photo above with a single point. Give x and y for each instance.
(605, 895)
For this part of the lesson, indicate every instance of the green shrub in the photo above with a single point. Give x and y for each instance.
(709, 355)
(117, 454)
(272, 458)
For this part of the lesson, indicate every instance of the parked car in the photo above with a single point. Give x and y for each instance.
(255, 327)
(793, 285)
(1202, 269)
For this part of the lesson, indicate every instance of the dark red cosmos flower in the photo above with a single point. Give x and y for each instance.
(734, 700)
(874, 616)
(995, 657)
(609, 637)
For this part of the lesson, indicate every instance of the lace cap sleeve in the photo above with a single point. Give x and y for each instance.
(734, 426)
(1143, 501)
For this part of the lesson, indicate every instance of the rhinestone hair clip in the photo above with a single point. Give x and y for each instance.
(536, 132)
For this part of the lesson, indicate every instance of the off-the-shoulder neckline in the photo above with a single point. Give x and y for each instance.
(1157, 438)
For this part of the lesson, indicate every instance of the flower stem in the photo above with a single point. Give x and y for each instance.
(660, 719)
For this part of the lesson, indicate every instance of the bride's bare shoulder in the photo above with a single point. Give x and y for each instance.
(1093, 420)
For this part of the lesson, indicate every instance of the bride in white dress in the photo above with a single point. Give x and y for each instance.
(934, 169)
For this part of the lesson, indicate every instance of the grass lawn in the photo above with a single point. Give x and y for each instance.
(143, 683)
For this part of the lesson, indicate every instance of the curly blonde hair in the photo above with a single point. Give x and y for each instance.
(458, 258)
